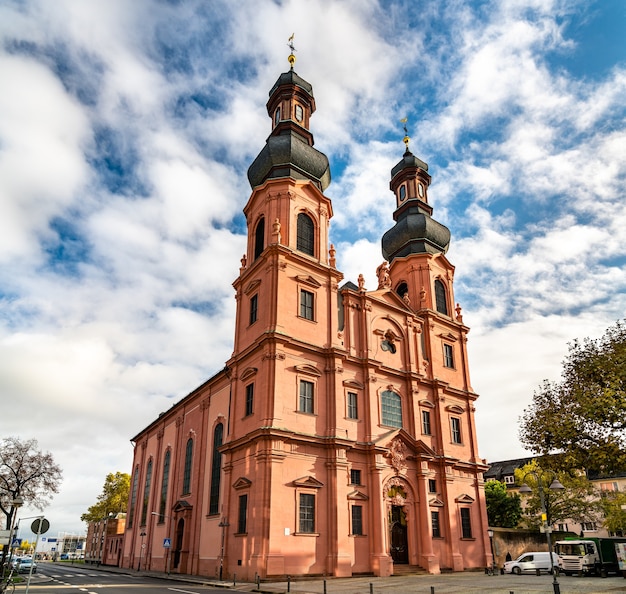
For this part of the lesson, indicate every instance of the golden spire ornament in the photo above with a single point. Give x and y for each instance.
(406, 134)
(292, 57)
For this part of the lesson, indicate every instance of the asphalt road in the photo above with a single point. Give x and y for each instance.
(66, 579)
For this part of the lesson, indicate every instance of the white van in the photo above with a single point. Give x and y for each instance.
(531, 562)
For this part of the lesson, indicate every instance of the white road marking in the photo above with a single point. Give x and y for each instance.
(185, 591)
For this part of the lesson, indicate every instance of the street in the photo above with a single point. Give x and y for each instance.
(61, 579)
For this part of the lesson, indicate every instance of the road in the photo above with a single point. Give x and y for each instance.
(65, 579)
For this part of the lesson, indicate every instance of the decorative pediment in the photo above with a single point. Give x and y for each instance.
(181, 506)
(353, 384)
(252, 286)
(435, 502)
(248, 373)
(308, 370)
(464, 499)
(426, 404)
(455, 408)
(357, 496)
(308, 280)
(448, 336)
(309, 482)
(242, 483)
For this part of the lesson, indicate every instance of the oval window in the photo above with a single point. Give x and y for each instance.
(402, 193)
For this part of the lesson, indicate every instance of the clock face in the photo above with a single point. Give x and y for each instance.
(299, 113)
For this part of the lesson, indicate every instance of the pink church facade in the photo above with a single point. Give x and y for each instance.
(339, 439)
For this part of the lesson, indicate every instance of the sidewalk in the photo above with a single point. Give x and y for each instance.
(447, 583)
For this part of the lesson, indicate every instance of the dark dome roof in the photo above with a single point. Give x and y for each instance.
(288, 155)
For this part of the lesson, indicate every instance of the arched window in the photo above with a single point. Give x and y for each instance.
(216, 471)
(306, 235)
(133, 497)
(187, 474)
(391, 409)
(402, 289)
(164, 484)
(259, 238)
(441, 302)
(146, 493)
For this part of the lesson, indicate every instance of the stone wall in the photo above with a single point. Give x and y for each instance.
(517, 541)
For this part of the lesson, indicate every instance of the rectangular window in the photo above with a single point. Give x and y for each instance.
(466, 523)
(448, 359)
(434, 519)
(305, 403)
(306, 304)
(353, 412)
(455, 427)
(357, 520)
(509, 479)
(307, 513)
(432, 486)
(254, 306)
(243, 514)
(249, 399)
(589, 526)
(355, 477)
(426, 422)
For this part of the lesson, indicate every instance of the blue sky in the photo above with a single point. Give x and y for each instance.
(126, 130)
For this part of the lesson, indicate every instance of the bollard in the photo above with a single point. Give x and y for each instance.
(538, 571)
(258, 582)
(432, 590)
(371, 588)
(324, 586)
(234, 580)
(288, 583)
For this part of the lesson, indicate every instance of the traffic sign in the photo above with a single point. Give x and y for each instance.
(16, 542)
(40, 526)
(167, 543)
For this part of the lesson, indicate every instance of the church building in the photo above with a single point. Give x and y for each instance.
(339, 439)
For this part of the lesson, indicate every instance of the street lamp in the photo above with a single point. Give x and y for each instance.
(555, 485)
(493, 559)
(143, 535)
(16, 503)
(223, 525)
(167, 549)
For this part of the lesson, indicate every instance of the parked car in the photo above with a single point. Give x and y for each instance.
(24, 564)
(531, 562)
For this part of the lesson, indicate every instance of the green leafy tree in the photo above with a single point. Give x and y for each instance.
(503, 509)
(578, 501)
(112, 500)
(613, 504)
(584, 415)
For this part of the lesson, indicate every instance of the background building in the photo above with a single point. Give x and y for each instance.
(339, 439)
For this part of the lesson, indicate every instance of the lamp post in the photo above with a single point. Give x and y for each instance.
(555, 485)
(223, 525)
(143, 535)
(493, 559)
(16, 503)
(167, 549)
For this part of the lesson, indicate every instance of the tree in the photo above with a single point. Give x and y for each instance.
(613, 504)
(27, 472)
(584, 415)
(577, 502)
(503, 509)
(112, 500)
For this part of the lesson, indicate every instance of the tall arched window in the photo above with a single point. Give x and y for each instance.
(187, 474)
(146, 493)
(441, 301)
(164, 484)
(306, 235)
(216, 470)
(259, 238)
(391, 409)
(133, 497)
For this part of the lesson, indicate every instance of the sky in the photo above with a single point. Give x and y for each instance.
(126, 131)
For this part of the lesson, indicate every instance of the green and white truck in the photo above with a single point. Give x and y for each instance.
(588, 555)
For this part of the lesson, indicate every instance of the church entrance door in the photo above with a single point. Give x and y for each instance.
(399, 541)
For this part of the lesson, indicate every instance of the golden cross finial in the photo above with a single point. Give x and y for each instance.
(292, 57)
(406, 134)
